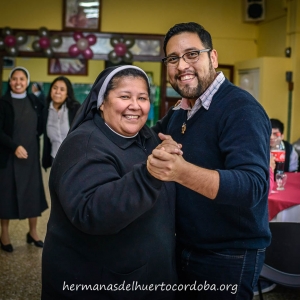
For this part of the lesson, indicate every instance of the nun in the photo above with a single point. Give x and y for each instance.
(21, 187)
(111, 231)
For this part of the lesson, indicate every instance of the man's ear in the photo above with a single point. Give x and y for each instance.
(214, 58)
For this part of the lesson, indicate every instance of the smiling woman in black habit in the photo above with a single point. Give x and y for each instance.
(111, 222)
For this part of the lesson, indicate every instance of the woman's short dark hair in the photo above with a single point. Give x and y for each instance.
(192, 27)
(70, 92)
(124, 73)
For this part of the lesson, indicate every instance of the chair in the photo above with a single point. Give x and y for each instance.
(282, 261)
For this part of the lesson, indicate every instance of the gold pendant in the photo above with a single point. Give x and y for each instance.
(183, 128)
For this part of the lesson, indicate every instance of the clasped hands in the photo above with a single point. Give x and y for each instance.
(166, 159)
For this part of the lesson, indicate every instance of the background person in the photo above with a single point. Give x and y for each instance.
(21, 188)
(223, 176)
(111, 222)
(37, 90)
(59, 113)
(291, 156)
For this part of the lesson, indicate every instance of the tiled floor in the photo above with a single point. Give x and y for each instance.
(20, 271)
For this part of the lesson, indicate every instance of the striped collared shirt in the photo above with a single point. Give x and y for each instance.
(204, 100)
(57, 126)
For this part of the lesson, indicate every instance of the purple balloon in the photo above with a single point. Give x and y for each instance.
(120, 49)
(88, 53)
(44, 42)
(10, 41)
(77, 35)
(92, 39)
(74, 50)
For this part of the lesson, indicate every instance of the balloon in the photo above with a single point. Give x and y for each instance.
(10, 40)
(113, 57)
(44, 42)
(120, 49)
(56, 41)
(43, 31)
(6, 31)
(114, 41)
(143, 44)
(21, 38)
(74, 51)
(82, 44)
(36, 46)
(129, 42)
(246, 82)
(88, 53)
(128, 57)
(2, 45)
(11, 51)
(48, 52)
(92, 39)
(77, 36)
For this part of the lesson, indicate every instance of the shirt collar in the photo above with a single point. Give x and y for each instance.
(206, 97)
(52, 107)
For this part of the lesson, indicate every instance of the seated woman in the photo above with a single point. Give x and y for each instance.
(111, 232)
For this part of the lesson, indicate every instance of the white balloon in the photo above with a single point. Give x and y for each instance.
(82, 44)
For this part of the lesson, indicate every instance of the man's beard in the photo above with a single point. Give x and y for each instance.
(194, 93)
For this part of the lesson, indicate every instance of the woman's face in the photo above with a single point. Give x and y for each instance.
(59, 93)
(18, 82)
(125, 110)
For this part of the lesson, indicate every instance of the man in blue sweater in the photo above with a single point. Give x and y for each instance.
(222, 177)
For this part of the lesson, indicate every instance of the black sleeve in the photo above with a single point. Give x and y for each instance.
(162, 124)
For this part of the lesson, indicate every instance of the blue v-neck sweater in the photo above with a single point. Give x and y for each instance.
(232, 137)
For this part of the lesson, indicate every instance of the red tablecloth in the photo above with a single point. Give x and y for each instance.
(280, 200)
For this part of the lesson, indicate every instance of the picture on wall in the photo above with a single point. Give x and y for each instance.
(81, 15)
(66, 66)
(8, 62)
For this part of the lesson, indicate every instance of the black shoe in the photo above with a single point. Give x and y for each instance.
(7, 248)
(31, 240)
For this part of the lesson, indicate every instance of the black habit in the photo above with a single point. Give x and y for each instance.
(21, 187)
(111, 224)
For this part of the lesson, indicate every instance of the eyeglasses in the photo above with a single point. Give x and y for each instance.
(189, 57)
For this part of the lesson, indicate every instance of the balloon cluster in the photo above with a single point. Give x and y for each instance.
(148, 47)
(11, 42)
(46, 42)
(82, 45)
(120, 51)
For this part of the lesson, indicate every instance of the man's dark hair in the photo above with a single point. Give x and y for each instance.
(192, 27)
(277, 124)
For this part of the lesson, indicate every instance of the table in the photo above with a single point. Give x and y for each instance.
(284, 206)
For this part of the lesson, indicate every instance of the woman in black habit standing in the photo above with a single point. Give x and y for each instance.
(21, 188)
(111, 231)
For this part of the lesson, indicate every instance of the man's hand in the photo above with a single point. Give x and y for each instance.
(163, 165)
(166, 159)
(21, 153)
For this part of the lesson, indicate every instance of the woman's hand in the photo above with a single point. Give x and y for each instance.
(169, 145)
(21, 153)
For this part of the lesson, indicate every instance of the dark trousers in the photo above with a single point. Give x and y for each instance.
(218, 274)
